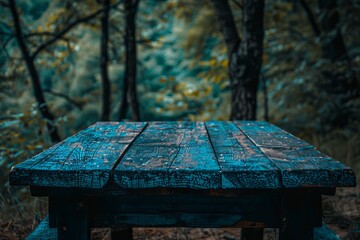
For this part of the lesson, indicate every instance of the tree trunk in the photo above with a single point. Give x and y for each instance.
(333, 44)
(129, 86)
(311, 18)
(34, 76)
(245, 55)
(334, 49)
(105, 116)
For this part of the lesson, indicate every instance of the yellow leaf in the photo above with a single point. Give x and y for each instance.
(159, 99)
(225, 63)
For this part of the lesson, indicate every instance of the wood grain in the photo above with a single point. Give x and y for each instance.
(42, 231)
(242, 163)
(325, 233)
(170, 154)
(83, 160)
(183, 155)
(301, 165)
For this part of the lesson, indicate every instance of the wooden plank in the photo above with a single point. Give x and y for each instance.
(252, 233)
(182, 219)
(301, 165)
(300, 213)
(170, 154)
(242, 163)
(83, 160)
(121, 233)
(72, 217)
(190, 210)
(42, 231)
(268, 135)
(324, 233)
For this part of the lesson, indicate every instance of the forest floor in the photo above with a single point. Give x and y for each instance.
(19, 218)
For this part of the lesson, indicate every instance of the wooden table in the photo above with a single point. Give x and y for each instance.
(194, 174)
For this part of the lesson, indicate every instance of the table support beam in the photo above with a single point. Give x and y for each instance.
(121, 233)
(300, 213)
(76, 226)
(252, 233)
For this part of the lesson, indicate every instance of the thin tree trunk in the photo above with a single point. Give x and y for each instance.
(124, 103)
(106, 102)
(129, 87)
(333, 43)
(34, 76)
(245, 56)
(266, 97)
(311, 17)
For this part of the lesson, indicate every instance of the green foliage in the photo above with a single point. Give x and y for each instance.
(23, 135)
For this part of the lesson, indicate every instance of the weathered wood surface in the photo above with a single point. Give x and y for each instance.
(42, 231)
(300, 164)
(242, 163)
(189, 155)
(325, 233)
(83, 160)
(170, 154)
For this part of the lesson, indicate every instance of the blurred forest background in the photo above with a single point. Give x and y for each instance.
(75, 60)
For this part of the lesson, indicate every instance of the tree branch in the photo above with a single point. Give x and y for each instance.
(311, 18)
(227, 24)
(42, 34)
(61, 33)
(64, 96)
(4, 47)
(4, 4)
(34, 75)
(238, 4)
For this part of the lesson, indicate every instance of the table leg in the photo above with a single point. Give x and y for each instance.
(300, 212)
(121, 234)
(72, 218)
(252, 234)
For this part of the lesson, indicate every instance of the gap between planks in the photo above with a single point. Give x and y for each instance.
(274, 164)
(213, 149)
(118, 160)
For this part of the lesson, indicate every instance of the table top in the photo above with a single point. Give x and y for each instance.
(191, 155)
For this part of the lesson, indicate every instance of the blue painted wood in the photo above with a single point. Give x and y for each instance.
(219, 168)
(218, 155)
(170, 154)
(42, 231)
(325, 233)
(242, 163)
(83, 160)
(301, 165)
